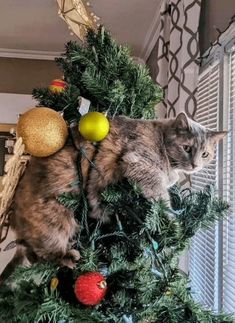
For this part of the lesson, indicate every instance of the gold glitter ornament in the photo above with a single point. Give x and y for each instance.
(43, 130)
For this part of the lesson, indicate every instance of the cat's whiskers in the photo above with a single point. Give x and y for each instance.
(177, 162)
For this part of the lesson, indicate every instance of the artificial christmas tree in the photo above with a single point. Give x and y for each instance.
(128, 266)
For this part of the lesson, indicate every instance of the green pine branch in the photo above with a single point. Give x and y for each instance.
(137, 250)
(103, 72)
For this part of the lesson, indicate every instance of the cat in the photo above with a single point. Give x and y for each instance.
(150, 153)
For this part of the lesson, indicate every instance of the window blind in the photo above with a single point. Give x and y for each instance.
(228, 299)
(203, 252)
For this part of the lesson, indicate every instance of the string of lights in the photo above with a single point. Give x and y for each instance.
(217, 42)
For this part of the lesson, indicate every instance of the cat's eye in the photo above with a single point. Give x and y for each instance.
(205, 154)
(188, 149)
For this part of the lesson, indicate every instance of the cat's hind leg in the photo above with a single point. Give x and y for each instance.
(51, 235)
(56, 248)
(98, 181)
(71, 258)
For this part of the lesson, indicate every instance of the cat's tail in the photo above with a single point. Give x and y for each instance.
(17, 259)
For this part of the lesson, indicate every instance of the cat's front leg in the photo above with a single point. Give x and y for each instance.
(94, 188)
(97, 183)
(154, 187)
(152, 180)
(157, 193)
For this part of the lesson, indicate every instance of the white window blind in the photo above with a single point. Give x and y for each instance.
(203, 252)
(228, 298)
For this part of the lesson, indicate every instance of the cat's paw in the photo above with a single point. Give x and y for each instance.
(71, 258)
(74, 254)
(155, 198)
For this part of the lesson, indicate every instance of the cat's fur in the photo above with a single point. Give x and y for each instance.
(151, 153)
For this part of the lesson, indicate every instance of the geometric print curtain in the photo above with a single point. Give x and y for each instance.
(177, 51)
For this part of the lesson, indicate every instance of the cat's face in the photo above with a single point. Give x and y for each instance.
(190, 146)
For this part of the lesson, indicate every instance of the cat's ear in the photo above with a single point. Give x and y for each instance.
(216, 136)
(181, 121)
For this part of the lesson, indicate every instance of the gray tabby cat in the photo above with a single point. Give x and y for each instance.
(151, 153)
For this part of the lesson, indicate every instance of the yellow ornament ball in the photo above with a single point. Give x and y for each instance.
(43, 131)
(94, 126)
(57, 86)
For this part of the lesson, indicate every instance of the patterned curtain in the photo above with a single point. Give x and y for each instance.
(177, 51)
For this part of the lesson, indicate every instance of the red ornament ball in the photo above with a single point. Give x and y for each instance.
(90, 288)
(57, 86)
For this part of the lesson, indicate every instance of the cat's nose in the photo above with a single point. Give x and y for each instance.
(194, 165)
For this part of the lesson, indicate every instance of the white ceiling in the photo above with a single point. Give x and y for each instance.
(35, 25)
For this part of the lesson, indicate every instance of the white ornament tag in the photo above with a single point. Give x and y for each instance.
(84, 105)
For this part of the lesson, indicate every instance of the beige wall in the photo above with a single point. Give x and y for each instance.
(22, 75)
